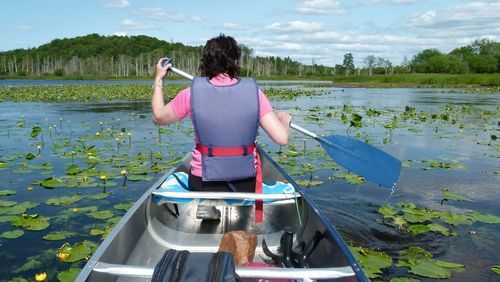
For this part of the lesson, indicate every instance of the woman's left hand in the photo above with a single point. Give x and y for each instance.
(161, 71)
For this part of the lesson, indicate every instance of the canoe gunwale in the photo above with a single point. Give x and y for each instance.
(243, 272)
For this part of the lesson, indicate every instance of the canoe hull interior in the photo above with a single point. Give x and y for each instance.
(148, 230)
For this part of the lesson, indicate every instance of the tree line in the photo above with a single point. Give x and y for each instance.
(129, 56)
(481, 56)
(123, 56)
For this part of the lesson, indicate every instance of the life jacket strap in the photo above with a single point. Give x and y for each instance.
(259, 204)
(225, 151)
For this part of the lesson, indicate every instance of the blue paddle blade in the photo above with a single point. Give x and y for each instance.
(362, 159)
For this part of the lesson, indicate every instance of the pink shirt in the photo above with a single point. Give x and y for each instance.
(181, 105)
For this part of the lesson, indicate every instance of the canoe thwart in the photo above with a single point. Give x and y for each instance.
(227, 195)
(243, 272)
(175, 190)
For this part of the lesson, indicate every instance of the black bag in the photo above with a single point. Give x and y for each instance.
(195, 267)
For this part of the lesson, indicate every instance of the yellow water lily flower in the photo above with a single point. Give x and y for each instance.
(97, 134)
(75, 210)
(123, 171)
(62, 256)
(42, 276)
(104, 177)
(30, 188)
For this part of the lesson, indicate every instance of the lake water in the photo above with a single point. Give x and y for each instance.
(455, 132)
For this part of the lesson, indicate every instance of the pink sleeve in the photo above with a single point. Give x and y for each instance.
(264, 105)
(181, 104)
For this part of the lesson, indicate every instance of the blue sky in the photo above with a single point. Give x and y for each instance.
(305, 30)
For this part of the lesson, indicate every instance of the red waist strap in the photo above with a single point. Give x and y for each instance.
(225, 151)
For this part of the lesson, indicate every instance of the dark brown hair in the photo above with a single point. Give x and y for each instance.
(220, 55)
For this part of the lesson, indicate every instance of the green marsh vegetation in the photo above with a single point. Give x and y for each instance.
(99, 92)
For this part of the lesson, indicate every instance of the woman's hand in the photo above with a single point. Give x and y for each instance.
(161, 71)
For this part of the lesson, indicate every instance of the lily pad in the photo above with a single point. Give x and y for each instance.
(18, 208)
(7, 192)
(5, 218)
(96, 232)
(45, 166)
(139, 177)
(30, 156)
(99, 196)
(308, 183)
(4, 165)
(123, 206)
(14, 234)
(418, 229)
(60, 235)
(387, 211)
(77, 252)
(35, 131)
(438, 228)
(69, 275)
(371, 261)
(7, 203)
(455, 218)
(73, 170)
(30, 222)
(51, 183)
(352, 178)
(452, 265)
(106, 214)
(496, 269)
(64, 200)
(416, 215)
(486, 218)
(453, 196)
(421, 263)
(428, 268)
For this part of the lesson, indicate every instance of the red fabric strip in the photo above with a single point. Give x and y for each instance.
(225, 151)
(259, 204)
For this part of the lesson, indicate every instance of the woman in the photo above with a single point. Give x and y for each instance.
(226, 112)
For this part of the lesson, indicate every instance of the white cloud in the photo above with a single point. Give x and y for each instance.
(295, 26)
(129, 24)
(116, 4)
(160, 14)
(398, 2)
(369, 2)
(327, 7)
(24, 27)
(198, 18)
(404, 1)
(120, 33)
(471, 18)
(234, 26)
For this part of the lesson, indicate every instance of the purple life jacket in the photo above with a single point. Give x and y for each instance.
(226, 119)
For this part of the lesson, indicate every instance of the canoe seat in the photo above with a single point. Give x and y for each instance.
(243, 272)
(175, 190)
